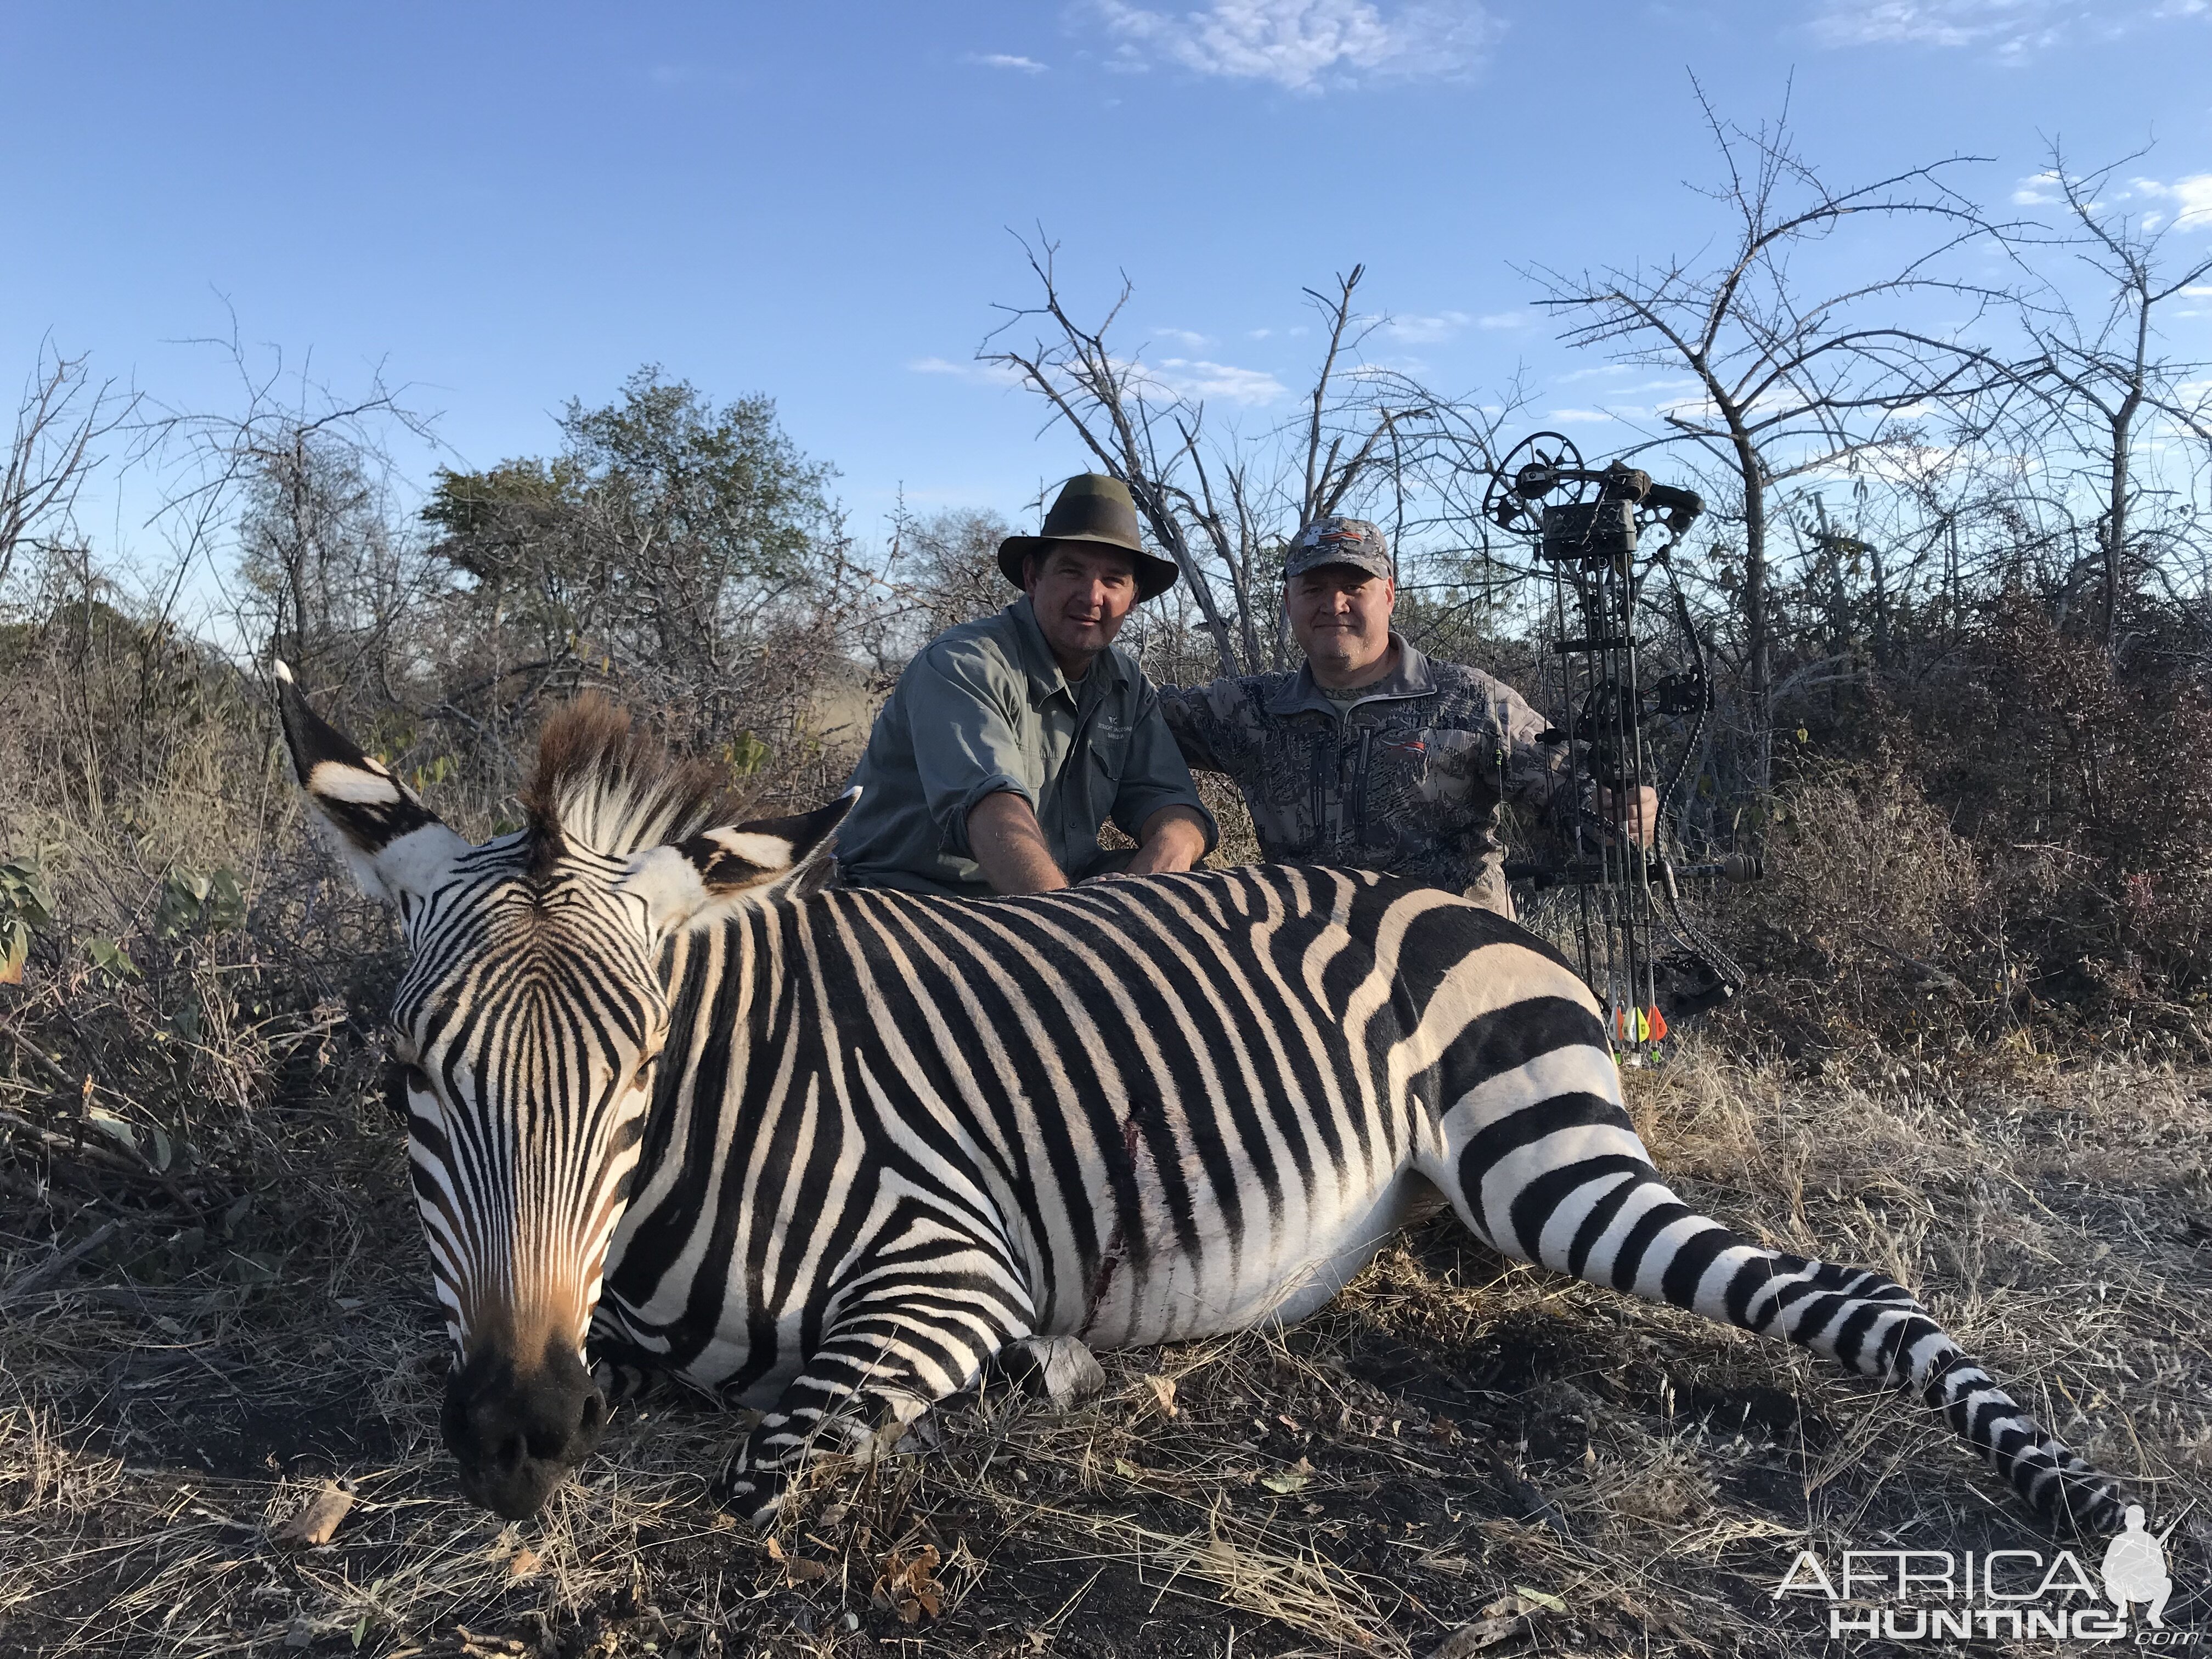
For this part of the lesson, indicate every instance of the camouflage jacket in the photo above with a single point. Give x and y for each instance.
(1408, 779)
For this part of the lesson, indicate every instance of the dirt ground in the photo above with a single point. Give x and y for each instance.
(1456, 1445)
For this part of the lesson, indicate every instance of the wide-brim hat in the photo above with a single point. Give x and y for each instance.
(1091, 508)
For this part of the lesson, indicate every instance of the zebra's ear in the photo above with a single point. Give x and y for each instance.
(717, 872)
(397, 847)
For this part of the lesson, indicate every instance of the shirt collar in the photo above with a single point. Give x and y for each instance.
(1412, 677)
(1043, 668)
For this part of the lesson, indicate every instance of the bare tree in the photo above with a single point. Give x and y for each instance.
(1223, 508)
(60, 418)
(1789, 382)
(944, 566)
(2102, 390)
(301, 480)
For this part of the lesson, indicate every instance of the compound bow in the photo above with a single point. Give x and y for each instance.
(1587, 526)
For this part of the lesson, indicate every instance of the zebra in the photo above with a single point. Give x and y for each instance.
(677, 1105)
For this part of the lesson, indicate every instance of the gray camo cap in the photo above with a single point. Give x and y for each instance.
(1339, 541)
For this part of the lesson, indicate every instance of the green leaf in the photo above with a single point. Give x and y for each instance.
(360, 1630)
(1288, 1480)
(24, 893)
(150, 1143)
(746, 754)
(108, 957)
(1541, 1598)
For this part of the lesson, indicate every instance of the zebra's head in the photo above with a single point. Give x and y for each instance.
(526, 1027)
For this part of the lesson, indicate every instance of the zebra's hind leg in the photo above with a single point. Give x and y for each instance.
(880, 1367)
(1543, 1162)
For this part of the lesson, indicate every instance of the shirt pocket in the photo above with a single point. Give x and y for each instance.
(1108, 759)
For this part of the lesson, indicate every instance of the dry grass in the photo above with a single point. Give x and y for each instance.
(1452, 1433)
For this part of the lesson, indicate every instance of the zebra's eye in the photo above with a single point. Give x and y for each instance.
(643, 1078)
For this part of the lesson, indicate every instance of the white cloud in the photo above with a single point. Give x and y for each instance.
(1581, 416)
(1188, 339)
(1006, 60)
(1198, 377)
(2036, 190)
(1426, 331)
(1503, 320)
(1183, 377)
(1258, 333)
(1308, 46)
(2011, 29)
(981, 374)
(2192, 197)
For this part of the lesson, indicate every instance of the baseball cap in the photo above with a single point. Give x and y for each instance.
(1339, 541)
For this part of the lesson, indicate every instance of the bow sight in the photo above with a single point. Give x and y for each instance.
(1588, 525)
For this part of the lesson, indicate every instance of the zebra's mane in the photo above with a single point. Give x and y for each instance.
(602, 783)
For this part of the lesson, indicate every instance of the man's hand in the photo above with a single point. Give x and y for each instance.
(1005, 840)
(1174, 839)
(1639, 818)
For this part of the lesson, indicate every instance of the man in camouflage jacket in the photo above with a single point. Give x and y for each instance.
(1372, 755)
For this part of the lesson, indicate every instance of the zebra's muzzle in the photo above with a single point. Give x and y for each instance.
(516, 1432)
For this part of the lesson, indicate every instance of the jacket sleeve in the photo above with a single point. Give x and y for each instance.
(1537, 775)
(1188, 714)
(1153, 772)
(967, 746)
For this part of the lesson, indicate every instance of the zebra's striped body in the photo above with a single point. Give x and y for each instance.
(889, 1134)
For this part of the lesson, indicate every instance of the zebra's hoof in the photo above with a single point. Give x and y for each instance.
(756, 1503)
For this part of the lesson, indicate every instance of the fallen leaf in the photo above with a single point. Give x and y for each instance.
(1128, 1470)
(318, 1517)
(1291, 1479)
(907, 1585)
(797, 1569)
(1163, 1390)
(1475, 1637)
(1507, 1617)
(523, 1563)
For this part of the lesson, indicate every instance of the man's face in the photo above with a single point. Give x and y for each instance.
(1081, 593)
(1341, 617)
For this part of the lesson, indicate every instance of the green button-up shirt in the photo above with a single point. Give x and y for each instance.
(982, 708)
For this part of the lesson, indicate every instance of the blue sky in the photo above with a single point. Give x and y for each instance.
(505, 206)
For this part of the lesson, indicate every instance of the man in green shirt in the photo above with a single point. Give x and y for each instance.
(1010, 741)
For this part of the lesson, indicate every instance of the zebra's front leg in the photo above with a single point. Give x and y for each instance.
(881, 1366)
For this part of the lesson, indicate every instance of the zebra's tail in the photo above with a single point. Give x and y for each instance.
(1638, 1237)
(1865, 1321)
(1545, 1162)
